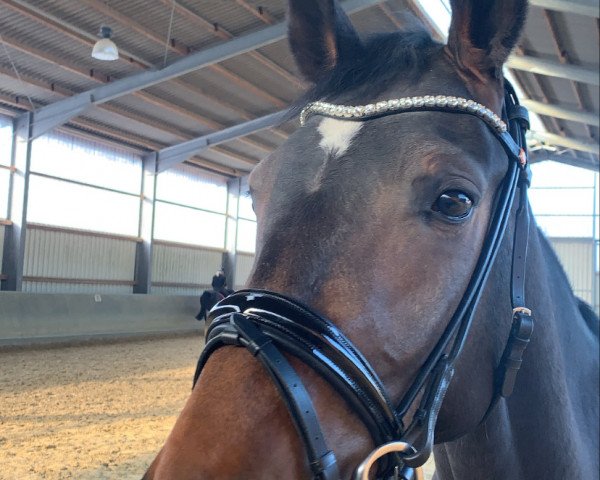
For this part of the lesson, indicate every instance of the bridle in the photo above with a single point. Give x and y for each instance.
(269, 324)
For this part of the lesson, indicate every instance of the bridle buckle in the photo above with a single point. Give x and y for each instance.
(523, 310)
(512, 357)
(522, 158)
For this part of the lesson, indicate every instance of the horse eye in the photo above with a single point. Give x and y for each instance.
(453, 204)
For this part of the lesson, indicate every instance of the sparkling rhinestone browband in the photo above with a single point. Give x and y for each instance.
(427, 102)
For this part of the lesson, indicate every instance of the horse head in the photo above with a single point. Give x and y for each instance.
(376, 222)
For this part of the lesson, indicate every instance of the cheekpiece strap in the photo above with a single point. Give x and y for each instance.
(522, 319)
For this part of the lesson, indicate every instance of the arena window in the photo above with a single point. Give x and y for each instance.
(83, 184)
(562, 198)
(246, 233)
(67, 204)
(189, 186)
(190, 207)
(565, 201)
(5, 154)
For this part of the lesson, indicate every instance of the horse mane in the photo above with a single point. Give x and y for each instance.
(379, 62)
(589, 316)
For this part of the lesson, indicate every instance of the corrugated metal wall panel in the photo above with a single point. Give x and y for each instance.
(196, 292)
(49, 287)
(65, 254)
(576, 257)
(597, 305)
(173, 263)
(2, 228)
(243, 267)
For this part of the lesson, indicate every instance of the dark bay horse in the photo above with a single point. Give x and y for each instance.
(399, 206)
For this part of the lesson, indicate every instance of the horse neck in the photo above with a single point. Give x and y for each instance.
(548, 427)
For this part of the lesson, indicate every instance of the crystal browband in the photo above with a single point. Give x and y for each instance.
(427, 102)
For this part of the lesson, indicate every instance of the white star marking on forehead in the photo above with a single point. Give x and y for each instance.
(337, 135)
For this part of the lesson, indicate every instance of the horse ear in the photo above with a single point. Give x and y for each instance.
(483, 33)
(321, 36)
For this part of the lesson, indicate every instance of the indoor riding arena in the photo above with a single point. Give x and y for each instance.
(128, 131)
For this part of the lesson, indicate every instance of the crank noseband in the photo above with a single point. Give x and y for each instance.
(272, 326)
(268, 323)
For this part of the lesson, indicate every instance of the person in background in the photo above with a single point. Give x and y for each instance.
(210, 298)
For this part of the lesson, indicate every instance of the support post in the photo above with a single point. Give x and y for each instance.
(229, 256)
(595, 293)
(13, 257)
(143, 253)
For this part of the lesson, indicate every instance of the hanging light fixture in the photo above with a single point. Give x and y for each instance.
(105, 48)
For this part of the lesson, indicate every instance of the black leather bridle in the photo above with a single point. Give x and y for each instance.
(269, 324)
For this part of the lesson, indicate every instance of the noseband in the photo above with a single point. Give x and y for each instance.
(269, 324)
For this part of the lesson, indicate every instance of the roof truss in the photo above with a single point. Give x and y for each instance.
(51, 116)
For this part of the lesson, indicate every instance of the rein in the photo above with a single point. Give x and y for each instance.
(269, 324)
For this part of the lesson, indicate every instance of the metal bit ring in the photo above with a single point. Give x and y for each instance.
(363, 470)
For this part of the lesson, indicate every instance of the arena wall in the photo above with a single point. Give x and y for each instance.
(2, 227)
(179, 269)
(577, 258)
(30, 318)
(60, 260)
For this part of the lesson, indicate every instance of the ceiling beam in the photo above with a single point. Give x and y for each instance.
(89, 130)
(85, 38)
(572, 143)
(63, 27)
(564, 58)
(60, 91)
(539, 81)
(546, 155)
(588, 8)
(565, 113)
(132, 140)
(220, 32)
(180, 49)
(171, 156)
(103, 79)
(387, 11)
(60, 112)
(259, 12)
(53, 115)
(553, 68)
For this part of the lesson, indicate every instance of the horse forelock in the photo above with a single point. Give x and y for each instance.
(373, 68)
